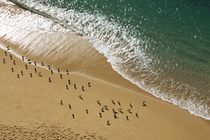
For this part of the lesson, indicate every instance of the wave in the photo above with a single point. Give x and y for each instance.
(126, 52)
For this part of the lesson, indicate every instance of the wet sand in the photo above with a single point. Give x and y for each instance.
(46, 102)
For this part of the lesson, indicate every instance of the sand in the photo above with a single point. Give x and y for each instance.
(90, 101)
(40, 104)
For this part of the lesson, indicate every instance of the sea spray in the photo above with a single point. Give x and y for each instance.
(143, 58)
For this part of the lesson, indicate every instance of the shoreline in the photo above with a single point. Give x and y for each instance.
(33, 100)
(77, 94)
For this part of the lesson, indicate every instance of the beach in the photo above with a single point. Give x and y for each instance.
(55, 85)
(32, 102)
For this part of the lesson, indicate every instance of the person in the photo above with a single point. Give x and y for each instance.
(61, 76)
(108, 123)
(98, 102)
(69, 81)
(61, 102)
(127, 118)
(75, 86)
(35, 63)
(115, 116)
(73, 116)
(50, 80)
(100, 114)
(131, 105)
(14, 63)
(69, 106)
(80, 96)
(137, 115)
(31, 75)
(86, 111)
(4, 61)
(144, 104)
(113, 102)
(89, 85)
(83, 89)
(67, 87)
(35, 70)
(26, 66)
(119, 103)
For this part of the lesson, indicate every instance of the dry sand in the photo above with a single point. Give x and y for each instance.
(34, 108)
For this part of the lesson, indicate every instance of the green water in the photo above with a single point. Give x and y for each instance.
(174, 37)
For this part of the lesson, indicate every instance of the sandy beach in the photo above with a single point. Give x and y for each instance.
(38, 102)
(73, 93)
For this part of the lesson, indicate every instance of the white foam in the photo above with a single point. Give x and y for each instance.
(125, 52)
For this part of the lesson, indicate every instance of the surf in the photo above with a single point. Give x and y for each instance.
(126, 52)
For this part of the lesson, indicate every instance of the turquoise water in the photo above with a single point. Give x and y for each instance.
(161, 46)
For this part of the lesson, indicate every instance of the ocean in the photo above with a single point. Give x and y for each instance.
(161, 46)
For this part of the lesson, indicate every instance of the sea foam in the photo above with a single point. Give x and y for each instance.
(126, 52)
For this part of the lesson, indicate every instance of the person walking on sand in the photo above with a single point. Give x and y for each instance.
(119, 103)
(129, 111)
(86, 110)
(69, 106)
(106, 107)
(144, 103)
(80, 97)
(131, 105)
(67, 72)
(102, 110)
(89, 85)
(83, 89)
(42, 63)
(26, 66)
(137, 116)
(100, 114)
(127, 118)
(67, 87)
(49, 80)
(113, 102)
(14, 63)
(115, 116)
(35, 63)
(21, 72)
(49, 67)
(69, 81)
(18, 76)
(61, 102)
(98, 102)
(4, 61)
(10, 56)
(73, 116)
(75, 86)
(115, 112)
(35, 70)
(61, 76)
(108, 123)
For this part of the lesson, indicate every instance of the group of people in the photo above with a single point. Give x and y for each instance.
(115, 106)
